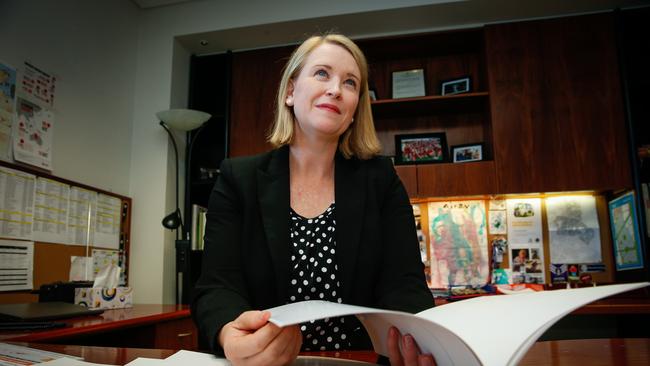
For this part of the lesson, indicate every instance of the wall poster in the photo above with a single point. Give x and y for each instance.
(458, 239)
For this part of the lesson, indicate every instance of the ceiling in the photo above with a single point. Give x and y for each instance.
(144, 4)
(432, 17)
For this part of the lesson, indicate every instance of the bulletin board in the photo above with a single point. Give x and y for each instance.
(110, 229)
(605, 272)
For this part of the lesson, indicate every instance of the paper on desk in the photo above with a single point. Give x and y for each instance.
(141, 361)
(65, 361)
(204, 359)
(195, 359)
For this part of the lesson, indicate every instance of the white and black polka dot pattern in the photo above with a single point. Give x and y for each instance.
(313, 276)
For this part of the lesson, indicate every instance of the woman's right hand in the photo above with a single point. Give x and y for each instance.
(252, 340)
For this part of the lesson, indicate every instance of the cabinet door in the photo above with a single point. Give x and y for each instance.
(176, 334)
(556, 105)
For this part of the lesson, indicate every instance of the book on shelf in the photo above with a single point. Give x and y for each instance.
(488, 330)
(198, 227)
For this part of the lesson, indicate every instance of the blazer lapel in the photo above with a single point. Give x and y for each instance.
(350, 197)
(273, 195)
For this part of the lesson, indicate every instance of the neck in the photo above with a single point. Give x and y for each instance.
(315, 158)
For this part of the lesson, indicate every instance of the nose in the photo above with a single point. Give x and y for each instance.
(334, 89)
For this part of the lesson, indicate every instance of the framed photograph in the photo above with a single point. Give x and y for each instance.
(421, 148)
(467, 153)
(372, 94)
(625, 232)
(408, 84)
(456, 86)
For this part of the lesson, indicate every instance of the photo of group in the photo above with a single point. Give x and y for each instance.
(526, 265)
(420, 148)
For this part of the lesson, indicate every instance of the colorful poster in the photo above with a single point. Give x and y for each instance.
(574, 232)
(458, 239)
(524, 221)
(7, 109)
(38, 86)
(625, 233)
(32, 141)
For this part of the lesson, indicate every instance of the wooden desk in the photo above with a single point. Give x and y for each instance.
(621, 351)
(142, 326)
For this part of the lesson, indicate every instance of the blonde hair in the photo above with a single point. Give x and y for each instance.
(360, 139)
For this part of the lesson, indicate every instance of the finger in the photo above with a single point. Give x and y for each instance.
(275, 353)
(251, 320)
(426, 360)
(410, 350)
(256, 342)
(394, 353)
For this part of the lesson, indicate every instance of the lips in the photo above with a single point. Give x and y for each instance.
(330, 107)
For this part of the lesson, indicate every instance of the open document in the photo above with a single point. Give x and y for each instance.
(467, 332)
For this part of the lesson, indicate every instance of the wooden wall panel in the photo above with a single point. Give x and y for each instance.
(557, 115)
(255, 79)
(408, 176)
(438, 180)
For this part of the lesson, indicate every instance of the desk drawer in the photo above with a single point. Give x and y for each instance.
(176, 334)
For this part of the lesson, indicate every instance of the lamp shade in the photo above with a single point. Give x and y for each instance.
(183, 119)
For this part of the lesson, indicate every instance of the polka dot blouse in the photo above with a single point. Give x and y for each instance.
(314, 276)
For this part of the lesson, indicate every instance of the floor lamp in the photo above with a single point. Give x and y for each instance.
(180, 120)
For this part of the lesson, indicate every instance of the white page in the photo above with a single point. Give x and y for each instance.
(183, 358)
(447, 348)
(82, 200)
(51, 211)
(65, 361)
(16, 265)
(24, 355)
(16, 204)
(107, 233)
(141, 361)
(195, 359)
(496, 342)
(474, 321)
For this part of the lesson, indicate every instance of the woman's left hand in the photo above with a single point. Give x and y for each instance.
(410, 354)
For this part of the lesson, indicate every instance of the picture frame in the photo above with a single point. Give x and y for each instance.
(625, 232)
(456, 86)
(467, 153)
(408, 84)
(372, 94)
(421, 148)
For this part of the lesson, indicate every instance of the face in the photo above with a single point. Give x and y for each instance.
(325, 94)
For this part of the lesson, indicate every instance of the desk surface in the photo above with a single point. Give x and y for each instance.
(109, 320)
(619, 351)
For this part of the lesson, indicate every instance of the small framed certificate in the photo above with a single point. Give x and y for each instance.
(409, 83)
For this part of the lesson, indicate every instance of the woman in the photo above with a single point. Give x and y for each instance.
(319, 217)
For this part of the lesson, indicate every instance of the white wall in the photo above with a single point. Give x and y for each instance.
(90, 48)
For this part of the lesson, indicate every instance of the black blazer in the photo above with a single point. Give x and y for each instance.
(246, 256)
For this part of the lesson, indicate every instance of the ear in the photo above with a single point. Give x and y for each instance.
(289, 99)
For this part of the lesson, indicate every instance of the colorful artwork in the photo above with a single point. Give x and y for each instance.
(625, 232)
(498, 222)
(458, 233)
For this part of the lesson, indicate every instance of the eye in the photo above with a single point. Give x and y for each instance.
(321, 73)
(351, 82)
